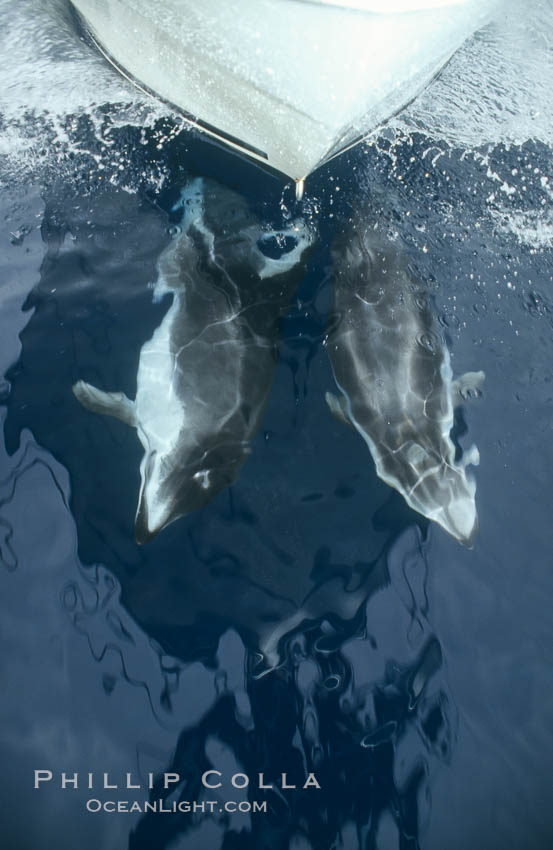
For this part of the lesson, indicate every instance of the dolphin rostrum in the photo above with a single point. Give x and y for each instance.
(205, 375)
(397, 389)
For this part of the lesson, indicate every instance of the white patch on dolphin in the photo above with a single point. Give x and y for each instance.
(397, 389)
(205, 375)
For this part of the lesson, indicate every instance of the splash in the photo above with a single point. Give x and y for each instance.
(63, 106)
(496, 89)
(64, 109)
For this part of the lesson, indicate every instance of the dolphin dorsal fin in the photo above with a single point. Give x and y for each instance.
(109, 404)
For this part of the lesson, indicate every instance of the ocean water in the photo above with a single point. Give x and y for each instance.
(306, 618)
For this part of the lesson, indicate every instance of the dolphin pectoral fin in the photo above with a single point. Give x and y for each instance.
(109, 404)
(337, 408)
(467, 387)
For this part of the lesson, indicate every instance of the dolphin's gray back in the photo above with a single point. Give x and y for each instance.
(393, 369)
(222, 367)
(205, 375)
(385, 347)
(222, 330)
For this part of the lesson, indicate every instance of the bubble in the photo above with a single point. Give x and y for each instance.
(430, 341)
(535, 304)
(449, 319)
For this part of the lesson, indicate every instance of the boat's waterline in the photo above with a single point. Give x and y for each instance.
(290, 83)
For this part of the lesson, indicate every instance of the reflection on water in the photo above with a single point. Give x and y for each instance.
(304, 619)
(289, 559)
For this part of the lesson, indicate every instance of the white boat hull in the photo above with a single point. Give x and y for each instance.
(291, 83)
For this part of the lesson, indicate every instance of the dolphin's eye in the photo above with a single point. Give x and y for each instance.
(202, 477)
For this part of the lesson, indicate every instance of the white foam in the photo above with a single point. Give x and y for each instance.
(496, 90)
(49, 68)
(529, 227)
(49, 79)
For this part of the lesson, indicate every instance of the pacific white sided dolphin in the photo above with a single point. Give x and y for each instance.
(205, 375)
(394, 373)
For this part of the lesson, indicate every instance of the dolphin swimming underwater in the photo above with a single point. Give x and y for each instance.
(396, 383)
(205, 375)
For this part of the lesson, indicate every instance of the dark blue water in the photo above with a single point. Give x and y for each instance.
(306, 620)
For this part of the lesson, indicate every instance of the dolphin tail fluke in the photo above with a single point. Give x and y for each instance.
(337, 408)
(109, 404)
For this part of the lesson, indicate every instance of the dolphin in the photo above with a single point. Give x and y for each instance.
(395, 379)
(205, 375)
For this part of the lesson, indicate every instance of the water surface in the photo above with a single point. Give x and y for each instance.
(306, 618)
